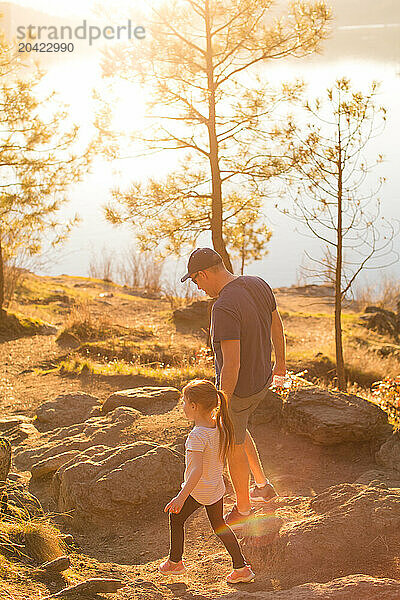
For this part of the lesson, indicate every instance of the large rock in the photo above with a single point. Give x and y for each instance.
(17, 428)
(90, 587)
(194, 316)
(268, 410)
(381, 320)
(145, 399)
(109, 431)
(388, 455)
(9, 423)
(353, 587)
(68, 340)
(67, 409)
(333, 417)
(48, 466)
(388, 477)
(109, 481)
(347, 528)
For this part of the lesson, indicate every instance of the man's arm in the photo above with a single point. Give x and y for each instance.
(230, 368)
(278, 340)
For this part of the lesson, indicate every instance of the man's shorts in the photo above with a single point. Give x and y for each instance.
(240, 409)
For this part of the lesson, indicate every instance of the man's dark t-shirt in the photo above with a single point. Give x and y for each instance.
(243, 311)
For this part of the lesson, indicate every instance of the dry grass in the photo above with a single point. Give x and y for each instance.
(44, 313)
(157, 372)
(133, 335)
(311, 345)
(386, 294)
(82, 323)
(14, 325)
(32, 540)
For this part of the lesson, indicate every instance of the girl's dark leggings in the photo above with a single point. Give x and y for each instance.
(216, 518)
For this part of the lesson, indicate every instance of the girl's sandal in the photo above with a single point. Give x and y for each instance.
(171, 568)
(243, 575)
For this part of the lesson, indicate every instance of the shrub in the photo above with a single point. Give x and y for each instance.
(33, 540)
(387, 395)
(141, 269)
(85, 326)
(102, 266)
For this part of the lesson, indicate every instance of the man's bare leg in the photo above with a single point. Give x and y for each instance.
(239, 472)
(254, 461)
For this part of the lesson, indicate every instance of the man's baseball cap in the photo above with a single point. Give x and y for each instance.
(201, 259)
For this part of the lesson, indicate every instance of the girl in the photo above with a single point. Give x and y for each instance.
(207, 446)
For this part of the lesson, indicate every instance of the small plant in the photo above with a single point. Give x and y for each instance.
(102, 266)
(82, 323)
(35, 540)
(292, 382)
(387, 394)
(140, 269)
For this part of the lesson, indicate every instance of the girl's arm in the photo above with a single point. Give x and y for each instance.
(175, 505)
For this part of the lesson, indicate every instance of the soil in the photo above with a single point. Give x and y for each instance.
(133, 551)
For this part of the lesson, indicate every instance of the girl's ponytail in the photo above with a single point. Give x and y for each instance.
(225, 426)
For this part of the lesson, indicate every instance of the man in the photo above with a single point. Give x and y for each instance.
(244, 318)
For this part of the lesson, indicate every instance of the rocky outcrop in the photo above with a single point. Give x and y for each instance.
(58, 565)
(347, 528)
(333, 417)
(108, 481)
(17, 428)
(108, 431)
(381, 320)
(388, 455)
(145, 399)
(48, 466)
(90, 587)
(194, 316)
(317, 291)
(353, 587)
(67, 409)
(68, 340)
(388, 477)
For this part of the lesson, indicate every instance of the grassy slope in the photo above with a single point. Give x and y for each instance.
(131, 335)
(37, 369)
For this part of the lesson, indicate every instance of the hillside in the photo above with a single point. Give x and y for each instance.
(109, 338)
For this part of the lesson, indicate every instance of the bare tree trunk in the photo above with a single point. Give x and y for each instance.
(216, 202)
(5, 465)
(341, 381)
(5, 459)
(1, 280)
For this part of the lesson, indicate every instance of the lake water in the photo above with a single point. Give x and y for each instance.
(360, 52)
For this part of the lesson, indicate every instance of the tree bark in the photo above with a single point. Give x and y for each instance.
(5, 465)
(1, 280)
(216, 201)
(341, 380)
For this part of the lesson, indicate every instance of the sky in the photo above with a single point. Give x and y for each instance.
(63, 8)
(78, 8)
(355, 54)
